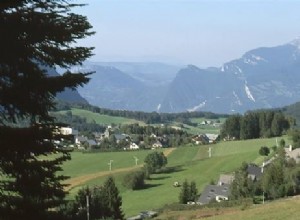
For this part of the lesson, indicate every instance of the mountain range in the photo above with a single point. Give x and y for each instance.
(266, 77)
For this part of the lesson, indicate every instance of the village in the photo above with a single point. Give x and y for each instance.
(139, 137)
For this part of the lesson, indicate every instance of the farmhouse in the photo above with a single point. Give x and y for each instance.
(254, 172)
(134, 146)
(214, 193)
(212, 138)
(200, 139)
(120, 137)
(157, 144)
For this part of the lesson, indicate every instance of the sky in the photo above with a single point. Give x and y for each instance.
(199, 32)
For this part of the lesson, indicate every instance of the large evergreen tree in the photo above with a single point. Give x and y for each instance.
(35, 37)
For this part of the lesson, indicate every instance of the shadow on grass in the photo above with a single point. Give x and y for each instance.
(148, 186)
(168, 170)
(159, 178)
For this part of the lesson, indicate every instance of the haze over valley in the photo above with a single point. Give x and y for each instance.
(266, 77)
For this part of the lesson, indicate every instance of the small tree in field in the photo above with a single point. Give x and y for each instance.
(155, 161)
(264, 151)
(184, 193)
(134, 180)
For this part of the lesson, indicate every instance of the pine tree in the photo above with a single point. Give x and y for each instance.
(184, 193)
(193, 191)
(35, 37)
(112, 200)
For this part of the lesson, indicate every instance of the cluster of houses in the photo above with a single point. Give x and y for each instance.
(212, 123)
(82, 142)
(221, 190)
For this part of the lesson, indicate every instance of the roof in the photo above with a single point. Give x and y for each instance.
(212, 137)
(254, 171)
(120, 136)
(225, 179)
(212, 191)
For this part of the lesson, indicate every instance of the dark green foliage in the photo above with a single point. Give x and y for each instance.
(79, 123)
(255, 124)
(154, 161)
(242, 186)
(282, 143)
(184, 193)
(112, 199)
(193, 191)
(104, 203)
(150, 118)
(231, 127)
(295, 135)
(39, 35)
(281, 177)
(188, 193)
(134, 180)
(264, 151)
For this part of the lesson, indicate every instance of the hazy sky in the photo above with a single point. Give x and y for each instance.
(201, 32)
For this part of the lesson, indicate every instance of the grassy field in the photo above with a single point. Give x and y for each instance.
(276, 210)
(190, 162)
(101, 119)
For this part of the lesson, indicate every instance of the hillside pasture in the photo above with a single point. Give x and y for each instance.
(186, 162)
(100, 118)
(287, 208)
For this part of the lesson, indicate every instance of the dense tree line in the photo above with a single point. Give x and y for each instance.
(147, 117)
(79, 123)
(259, 124)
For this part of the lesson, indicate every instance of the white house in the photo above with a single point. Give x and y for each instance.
(157, 144)
(134, 146)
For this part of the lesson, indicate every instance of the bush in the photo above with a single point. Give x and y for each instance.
(134, 180)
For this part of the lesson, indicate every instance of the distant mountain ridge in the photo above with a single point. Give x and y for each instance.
(267, 77)
(68, 95)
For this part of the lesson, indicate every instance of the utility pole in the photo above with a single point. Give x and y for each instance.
(136, 160)
(110, 163)
(87, 208)
(209, 152)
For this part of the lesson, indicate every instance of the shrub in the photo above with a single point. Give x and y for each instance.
(134, 180)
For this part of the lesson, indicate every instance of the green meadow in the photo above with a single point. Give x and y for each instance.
(186, 162)
(287, 208)
(100, 118)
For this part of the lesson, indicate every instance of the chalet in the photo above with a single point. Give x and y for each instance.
(80, 140)
(213, 138)
(214, 193)
(157, 144)
(134, 146)
(254, 172)
(200, 139)
(120, 137)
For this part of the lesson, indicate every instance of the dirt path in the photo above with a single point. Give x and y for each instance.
(76, 181)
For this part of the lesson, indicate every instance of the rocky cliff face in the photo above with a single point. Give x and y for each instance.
(261, 78)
